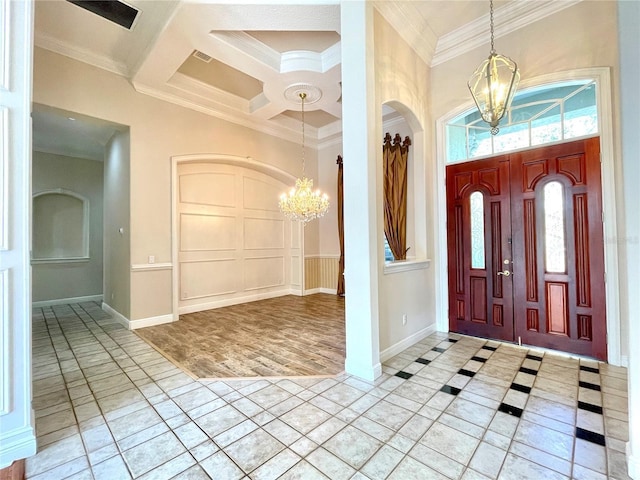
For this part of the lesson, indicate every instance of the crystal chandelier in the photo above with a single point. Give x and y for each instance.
(494, 84)
(302, 203)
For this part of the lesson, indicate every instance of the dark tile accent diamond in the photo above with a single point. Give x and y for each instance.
(590, 386)
(534, 357)
(589, 369)
(590, 407)
(424, 361)
(510, 410)
(450, 390)
(520, 388)
(589, 436)
(466, 373)
(487, 347)
(452, 340)
(405, 375)
(479, 359)
(530, 371)
(438, 349)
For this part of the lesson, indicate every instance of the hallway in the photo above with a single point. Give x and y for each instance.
(108, 406)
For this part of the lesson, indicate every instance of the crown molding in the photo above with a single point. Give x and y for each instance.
(513, 16)
(268, 127)
(410, 25)
(207, 92)
(251, 47)
(81, 54)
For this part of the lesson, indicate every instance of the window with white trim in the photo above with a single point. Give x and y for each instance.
(538, 116)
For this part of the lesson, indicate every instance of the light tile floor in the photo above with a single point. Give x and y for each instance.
(108, 406)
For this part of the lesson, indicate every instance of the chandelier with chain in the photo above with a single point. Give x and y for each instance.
(302, 203)
(494, 84)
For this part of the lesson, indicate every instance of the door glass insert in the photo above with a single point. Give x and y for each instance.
(477, 230)
(554, 235)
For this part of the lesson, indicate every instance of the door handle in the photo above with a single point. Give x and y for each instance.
(506, 273)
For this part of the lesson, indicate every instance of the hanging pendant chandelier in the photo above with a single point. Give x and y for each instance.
(494, 84)
(302, 203)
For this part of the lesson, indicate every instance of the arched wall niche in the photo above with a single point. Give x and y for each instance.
(60, 226)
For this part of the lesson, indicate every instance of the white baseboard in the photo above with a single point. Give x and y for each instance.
(633, 463)
(198, 307)
(117, 316)
(395, 349)
(66, 301)
(311, 291)
(17, 444)
(150, 321)
(624, 361)
(365, 372)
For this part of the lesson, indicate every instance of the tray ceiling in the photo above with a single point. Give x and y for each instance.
(260, 55)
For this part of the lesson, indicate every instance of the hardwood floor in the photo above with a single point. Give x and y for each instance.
(279, 337)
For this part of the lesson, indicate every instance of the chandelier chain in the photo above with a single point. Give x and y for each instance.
(303, 95)
(493, 50)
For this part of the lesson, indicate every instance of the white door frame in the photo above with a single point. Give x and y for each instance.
(602, 77)
(17, 419)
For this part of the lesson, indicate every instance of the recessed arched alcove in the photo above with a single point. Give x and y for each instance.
(60, 226)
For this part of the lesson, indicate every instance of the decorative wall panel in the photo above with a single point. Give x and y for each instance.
(214, 189)
(320, 272)
(5, 32)
(4, 170)
(207, 232)
(295, 271)
(263, 272)
(259, 195)
(5, 384)
(235, 245)
(263, 233)
(296, 231)
(208, 278)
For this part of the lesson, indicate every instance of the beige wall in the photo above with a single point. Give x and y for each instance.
(402, 81)
(117, 248)
(328, 175)
(159, 130)
(84, 177)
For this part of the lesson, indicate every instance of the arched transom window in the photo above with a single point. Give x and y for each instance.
(540, 115)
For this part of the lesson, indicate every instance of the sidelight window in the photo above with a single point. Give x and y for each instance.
(554, 232)
(476, 200)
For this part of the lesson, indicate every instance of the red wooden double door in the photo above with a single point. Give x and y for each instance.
(525, 248)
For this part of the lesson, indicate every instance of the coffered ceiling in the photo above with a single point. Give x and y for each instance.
(247, 63)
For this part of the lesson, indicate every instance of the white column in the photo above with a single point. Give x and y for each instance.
(360, 152)
(17, 432)
(629, 33)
